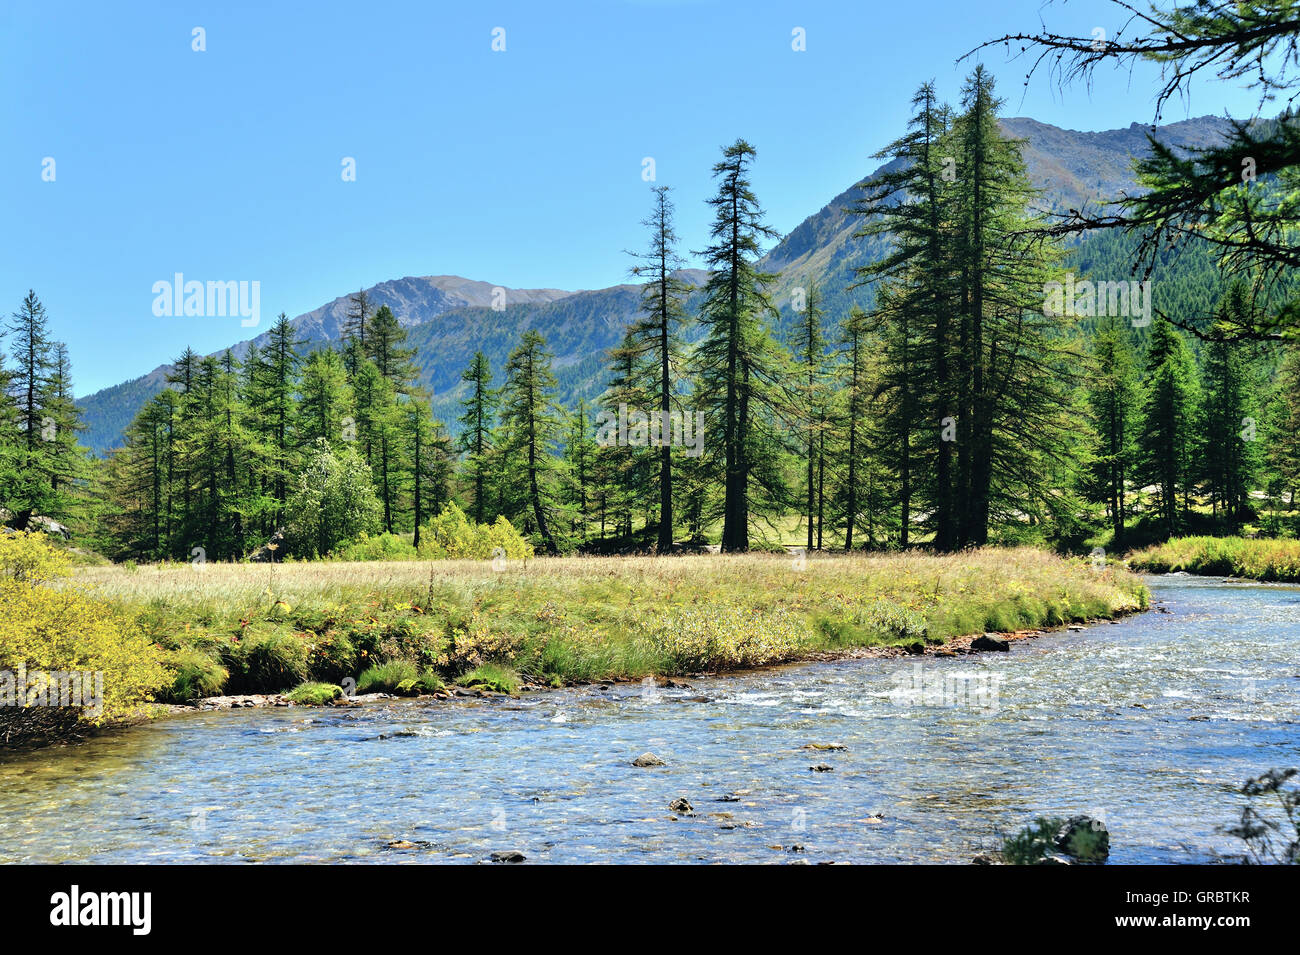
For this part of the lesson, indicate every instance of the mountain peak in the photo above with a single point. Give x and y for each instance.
(1070, 167)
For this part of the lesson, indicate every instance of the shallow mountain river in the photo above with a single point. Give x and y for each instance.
(1150, 724)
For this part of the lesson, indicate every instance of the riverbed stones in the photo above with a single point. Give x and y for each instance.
(821, 768)
(682, 805)
(509, 857)
(990, 641)
(648, 759)
(830, 747)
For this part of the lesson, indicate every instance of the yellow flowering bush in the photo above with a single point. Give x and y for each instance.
(719, 637)
(473, 643)
(452, 535)
(51, 629)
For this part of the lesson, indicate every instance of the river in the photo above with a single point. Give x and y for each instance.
(1151, 724)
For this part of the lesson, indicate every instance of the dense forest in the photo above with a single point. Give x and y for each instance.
(971, 402)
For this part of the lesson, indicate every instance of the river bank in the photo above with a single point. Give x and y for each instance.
(1266, 559)
(242, 630)
(957, 647)
(1151, 724)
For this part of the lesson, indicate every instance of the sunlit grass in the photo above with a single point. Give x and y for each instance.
(1259, 559)
(568, 619)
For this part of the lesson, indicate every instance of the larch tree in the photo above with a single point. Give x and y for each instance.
(736, 367)
(656, 336)
(530, 415)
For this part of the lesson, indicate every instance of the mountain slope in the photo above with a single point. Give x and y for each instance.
(413, 300)
(1070, 167)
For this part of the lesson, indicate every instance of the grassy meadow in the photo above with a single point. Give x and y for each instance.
(1256, 558)
(410, 626)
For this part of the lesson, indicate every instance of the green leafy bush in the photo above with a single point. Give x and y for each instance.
(48, 629)
(269, 662)
(395, 676)
(379, 547)
(332, 657)
(491, 676)
(333, 501)
(198, 674)
(1033, 844)
(894, 621)
(430, 682)
(720, 637)
(1080, 838)
(314, 694)
(451, 535)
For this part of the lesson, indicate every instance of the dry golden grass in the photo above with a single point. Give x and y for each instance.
(576, 618)
(819, 583)
(756, 573)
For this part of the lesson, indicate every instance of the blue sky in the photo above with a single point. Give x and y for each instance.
(522, 167)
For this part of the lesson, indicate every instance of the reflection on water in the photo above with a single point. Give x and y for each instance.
(1150, 724)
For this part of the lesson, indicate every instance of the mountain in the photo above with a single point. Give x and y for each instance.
(414, 301)
(1071, 168)
(449, 317)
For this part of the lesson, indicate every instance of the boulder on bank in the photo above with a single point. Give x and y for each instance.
(990, 641)
(1084, 838)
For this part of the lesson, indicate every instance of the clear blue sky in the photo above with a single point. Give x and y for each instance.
(521, 168)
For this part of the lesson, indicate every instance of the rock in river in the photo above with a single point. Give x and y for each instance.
(648, 759)
(1084, 838)
(990, 642)
(511, 856)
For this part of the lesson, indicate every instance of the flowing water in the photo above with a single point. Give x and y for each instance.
(1150, 724)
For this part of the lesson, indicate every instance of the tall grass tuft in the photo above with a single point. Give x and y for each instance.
(1258, 559)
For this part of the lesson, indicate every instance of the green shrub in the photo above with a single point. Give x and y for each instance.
(894, 621)
(395, 676)
(491, 676)
(43, 628)
(270, 663)
(198, 674)
(332, 657)
(1080, 838)
(451, 535)
(379, 547)
(409, 638)
(720, 637)
(430, 682)
(314, 694)
(1031, 845)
